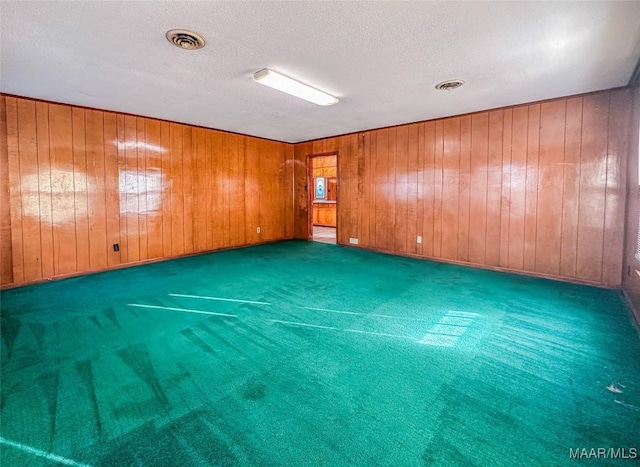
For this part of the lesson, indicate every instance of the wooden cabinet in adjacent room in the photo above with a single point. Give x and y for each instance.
(324, 214)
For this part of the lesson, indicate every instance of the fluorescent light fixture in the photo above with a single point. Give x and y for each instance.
(291, 86)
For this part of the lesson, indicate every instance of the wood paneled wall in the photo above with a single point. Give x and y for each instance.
(631, 270)
(535, 188)
(77, 181)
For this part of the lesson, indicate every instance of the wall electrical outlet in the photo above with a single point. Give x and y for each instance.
(353, 241)
(258, 230)
(418, 239)
(116, 247)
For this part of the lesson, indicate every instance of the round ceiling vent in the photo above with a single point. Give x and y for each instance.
(449, 85)
(184, 39)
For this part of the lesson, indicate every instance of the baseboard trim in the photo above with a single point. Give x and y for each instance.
(490, 268)
(136, 263)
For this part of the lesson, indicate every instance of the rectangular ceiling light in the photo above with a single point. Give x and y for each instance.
(295, 88)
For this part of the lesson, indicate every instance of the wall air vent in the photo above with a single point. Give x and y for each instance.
(449, 85)
(184, 39)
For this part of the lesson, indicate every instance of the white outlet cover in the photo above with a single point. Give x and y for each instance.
(353, 241)
(258, 230)
(419, 239)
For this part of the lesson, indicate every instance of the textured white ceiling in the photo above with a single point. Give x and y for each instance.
(382, 59)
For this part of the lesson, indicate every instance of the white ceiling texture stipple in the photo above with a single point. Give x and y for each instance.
(381, 59)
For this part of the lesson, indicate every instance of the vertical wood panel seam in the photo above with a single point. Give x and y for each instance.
(374, 177)
(20, 186)
(182, 131)
(73, 172)
(160, 188)
(285, 170)
(418, 170)
(374, 182)
(120, 154)
(104, 179)
(459, 187)
(86, 187)
(366, 189)
(486, 191)
(5, 145)
(171, 185)
(22, 197)
(191, 201)
(130, 193)
(146, 188)
(123, 215)
(53, 236)
(284, 205)
(395, 198)
(510, 185)
(408, 241)
(420, 186)
(433, 187)
(575, 270)
(501, 183)
(141, 178)
(208, 149)
(429, 179)
(293, 191)
(510, 192)
(50, 190)
(538, 177)
(470, 190)
(441, 187)
(564, 166)
(306, 198)
(435, 176)
(137, 193)
(360, 167)
(396, 224)
(606, 186)
(526, 178)
(35, 117)
(125, 190)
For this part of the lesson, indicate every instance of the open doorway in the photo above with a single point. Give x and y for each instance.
(323, 198)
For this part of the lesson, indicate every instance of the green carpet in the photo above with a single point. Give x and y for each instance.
(346, 357)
